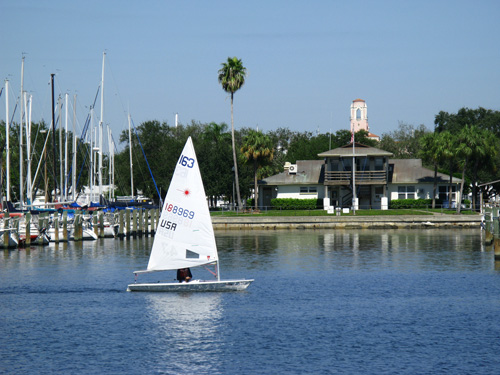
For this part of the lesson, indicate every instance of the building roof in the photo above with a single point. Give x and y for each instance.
(411, 171)
(358, 100)
(308, 172)
(359, 150)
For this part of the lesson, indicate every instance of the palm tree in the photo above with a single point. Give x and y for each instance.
(232, 77)
(449, 143)
(432, 150)
(257, 148)
(476, 145)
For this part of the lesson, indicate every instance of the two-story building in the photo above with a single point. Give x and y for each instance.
(376, 179)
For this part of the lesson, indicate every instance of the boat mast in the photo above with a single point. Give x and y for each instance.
(66, 152)
(54, 137)
(111, 163)
(29, 189)
(21, 101)
(7, 137)
(101, 125)
(73, 184)
(61, 177)
(91, 183)
(131, 163)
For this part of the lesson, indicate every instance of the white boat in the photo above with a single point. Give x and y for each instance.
(185, 237)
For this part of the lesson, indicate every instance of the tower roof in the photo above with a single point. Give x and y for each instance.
(358, 100)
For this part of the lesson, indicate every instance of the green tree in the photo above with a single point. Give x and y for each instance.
(232, 77)
(257, 149)
(216, 162)
(404, 142)
(432, 149)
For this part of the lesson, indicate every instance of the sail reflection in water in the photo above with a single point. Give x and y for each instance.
(186, 327)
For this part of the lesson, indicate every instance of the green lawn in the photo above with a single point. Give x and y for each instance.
(322, 213)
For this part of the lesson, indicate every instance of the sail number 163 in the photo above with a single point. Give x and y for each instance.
(186, 162)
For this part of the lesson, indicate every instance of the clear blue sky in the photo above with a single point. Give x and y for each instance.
(307, 60)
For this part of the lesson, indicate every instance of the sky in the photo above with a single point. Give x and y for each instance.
(306, 60)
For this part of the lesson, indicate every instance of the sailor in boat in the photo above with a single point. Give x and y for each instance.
(184, 275)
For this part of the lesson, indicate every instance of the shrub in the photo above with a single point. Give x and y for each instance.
(295, 204)
(410, 203)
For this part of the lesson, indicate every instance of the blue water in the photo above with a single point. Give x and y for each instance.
(323, 302)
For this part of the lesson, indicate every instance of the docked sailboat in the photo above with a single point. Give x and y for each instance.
(184, 237)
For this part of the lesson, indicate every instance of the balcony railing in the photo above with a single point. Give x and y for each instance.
(345, 177)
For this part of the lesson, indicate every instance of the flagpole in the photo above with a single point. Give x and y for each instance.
(353, 175)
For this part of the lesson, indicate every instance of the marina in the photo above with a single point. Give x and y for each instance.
(323, 301)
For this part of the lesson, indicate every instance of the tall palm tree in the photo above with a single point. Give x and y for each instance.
(257, 148)
(232, 77)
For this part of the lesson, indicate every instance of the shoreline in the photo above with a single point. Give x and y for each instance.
(347, 222)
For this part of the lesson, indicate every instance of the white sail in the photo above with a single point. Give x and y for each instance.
(184, 236)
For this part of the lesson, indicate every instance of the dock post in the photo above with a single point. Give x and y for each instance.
(28, 228)
(101, 224)
(146, 222)
(154, 221)
(121, 226)
(94, 223)
(141, 222)
(127, 223)
(6, 233)
(134, 223)
(77, 225)
(65, 226)
(56, 228)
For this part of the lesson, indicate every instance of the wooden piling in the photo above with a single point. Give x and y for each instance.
(127, 223)
(134, 223)
(141, 222)
(27, 220)
(121, 226)
(6, 233)
(146, 222)
(56, 229)
(101, 224)
(65, 226)
(77, 228)
(94, 223)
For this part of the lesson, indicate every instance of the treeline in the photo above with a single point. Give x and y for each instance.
(461, 144)
(162, 145)
(477, 160)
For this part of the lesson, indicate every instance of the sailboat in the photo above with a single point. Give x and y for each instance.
(185, 237)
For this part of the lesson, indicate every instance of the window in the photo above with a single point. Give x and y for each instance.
(308, 190)
(379, 164)
(358, 114)
(443, 193)
(406, 192)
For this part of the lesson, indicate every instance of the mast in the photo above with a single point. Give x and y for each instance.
(110, 163)
(7, 137)
(101, 125)
(131, 163)
(61, 177)
(66, 152)
(73, 184)
(54, 136)
(91, 183)
(21, 101)
(29, 190)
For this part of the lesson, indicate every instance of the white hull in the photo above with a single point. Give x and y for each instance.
(193, 286)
